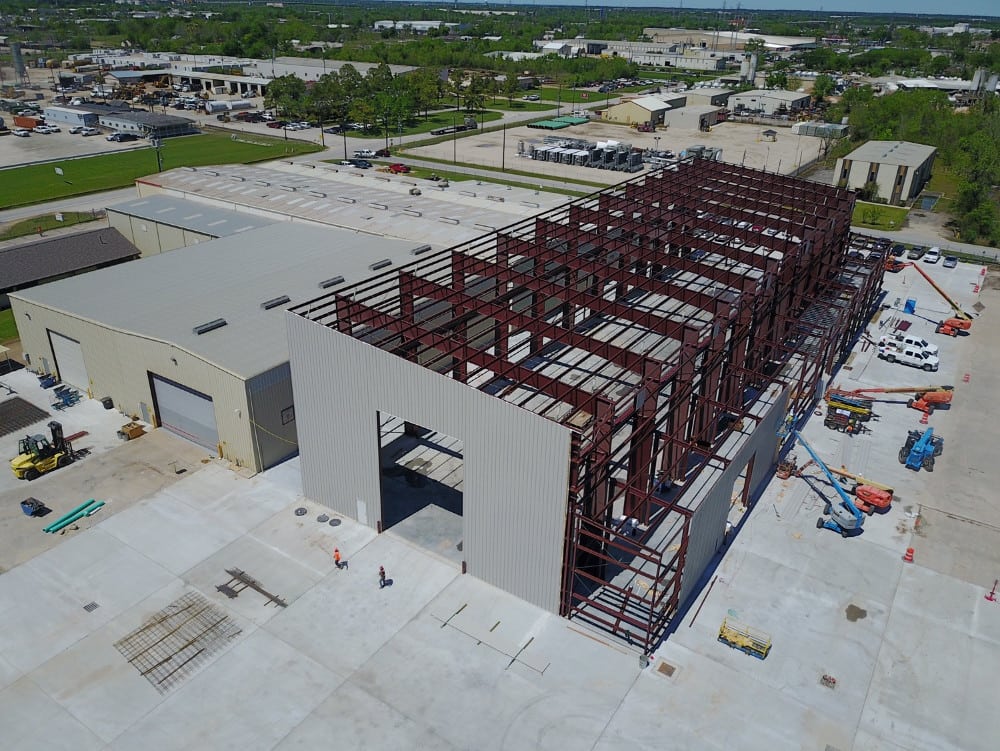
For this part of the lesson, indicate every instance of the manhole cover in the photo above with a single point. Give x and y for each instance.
(335, 522)
(666, 668)
(322, 518)
(301, 511)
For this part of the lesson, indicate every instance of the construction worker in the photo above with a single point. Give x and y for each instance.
(381, 577)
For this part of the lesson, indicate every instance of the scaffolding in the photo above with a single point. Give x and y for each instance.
(651, 319)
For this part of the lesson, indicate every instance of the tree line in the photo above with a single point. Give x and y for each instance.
(967, 142)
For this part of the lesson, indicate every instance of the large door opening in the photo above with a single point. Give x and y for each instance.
(184, 411)
(422, 473)
(68, 355)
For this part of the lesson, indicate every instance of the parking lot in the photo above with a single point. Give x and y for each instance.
(740, 143)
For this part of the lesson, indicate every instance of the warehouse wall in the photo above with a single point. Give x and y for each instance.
(117, 364)
(152, 237)
(516, 473)
(708, 523)
(272, 413)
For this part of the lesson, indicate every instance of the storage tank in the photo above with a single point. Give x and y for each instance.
(240, 104)
(213, 106)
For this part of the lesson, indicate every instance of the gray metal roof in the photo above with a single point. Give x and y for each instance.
(786, 96)
(38, 260)
(904, 153)
(196, 217)
(164, 297)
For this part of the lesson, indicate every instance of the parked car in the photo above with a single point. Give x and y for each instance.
(915, 253)
(90, 132)
(122, 137)
(399, 169)
(360, 163)
(76, 129)
(532, 98)
(898, 250)
(43, 129)
(364, 153)
(950, 262)
(21, 132)
(933, 255)
(382, 153)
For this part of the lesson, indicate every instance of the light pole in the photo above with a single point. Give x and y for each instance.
(656, 140)
(454, 140)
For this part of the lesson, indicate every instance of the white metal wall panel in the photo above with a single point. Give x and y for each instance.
(708, 523)
(516, 473)
(69, 362)
(187, 413)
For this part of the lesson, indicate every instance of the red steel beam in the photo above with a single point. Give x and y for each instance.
(550, 386)
(426, 288)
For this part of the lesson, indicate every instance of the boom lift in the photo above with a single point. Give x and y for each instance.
(844, 516)
(36, 455)
(961, 321)
(920, 450)
(868, 494)
(925, 398)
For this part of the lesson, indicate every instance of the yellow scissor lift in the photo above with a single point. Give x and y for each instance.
(744, 638)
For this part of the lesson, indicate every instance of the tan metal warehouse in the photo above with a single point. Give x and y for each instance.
(158, 223)
(647, 109)
(900, 169)
(194, 340)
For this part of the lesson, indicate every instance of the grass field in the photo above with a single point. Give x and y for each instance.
(44, 223)
(8, 330)
(878, 216)
(39, 182)
(434, 121)
(945, 182)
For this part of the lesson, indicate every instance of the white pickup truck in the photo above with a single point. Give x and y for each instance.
(912, 341)
(889, 349)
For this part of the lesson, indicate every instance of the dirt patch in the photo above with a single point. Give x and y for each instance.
(854, 613)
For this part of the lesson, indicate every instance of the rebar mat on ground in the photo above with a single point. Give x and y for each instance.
(176, 641)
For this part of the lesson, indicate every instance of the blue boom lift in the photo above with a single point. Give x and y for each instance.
(920, 450)
(844, 516)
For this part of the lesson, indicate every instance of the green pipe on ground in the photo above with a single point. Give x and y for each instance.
(66, 516)
(86, 511)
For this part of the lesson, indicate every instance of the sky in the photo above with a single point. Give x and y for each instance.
(960, 8)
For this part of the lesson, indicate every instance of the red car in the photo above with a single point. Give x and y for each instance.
(399, 169)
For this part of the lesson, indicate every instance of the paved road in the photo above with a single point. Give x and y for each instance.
(927, 236)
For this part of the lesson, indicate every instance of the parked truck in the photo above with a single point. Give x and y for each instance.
(28, 121)
(891, 350)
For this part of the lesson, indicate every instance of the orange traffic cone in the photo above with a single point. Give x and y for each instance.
(908, 556)
(923, 420)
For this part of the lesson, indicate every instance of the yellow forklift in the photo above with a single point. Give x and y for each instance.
(37, 455)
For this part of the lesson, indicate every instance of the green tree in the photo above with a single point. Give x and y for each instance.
(286, 94)
(823, 86)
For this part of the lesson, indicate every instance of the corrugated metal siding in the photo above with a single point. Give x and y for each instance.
(516, 463)
(117, 364)
(708, 523)
(270, 395)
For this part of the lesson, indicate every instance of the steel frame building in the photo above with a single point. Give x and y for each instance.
(667, 326)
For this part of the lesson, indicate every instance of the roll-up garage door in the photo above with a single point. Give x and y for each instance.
(69, 361)
(186, 412)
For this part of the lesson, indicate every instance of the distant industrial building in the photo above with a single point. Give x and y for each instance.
(646, 110)
(714, 97)
(122, 118)
(769, 102)
(418, 27)
(160, 223)
(38, 261)
(194, 340)
(900, 169)
(694, 117)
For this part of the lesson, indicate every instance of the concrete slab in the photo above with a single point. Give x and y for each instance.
(357, 719)
(30, 719)
(253, 696)
(357, 617)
